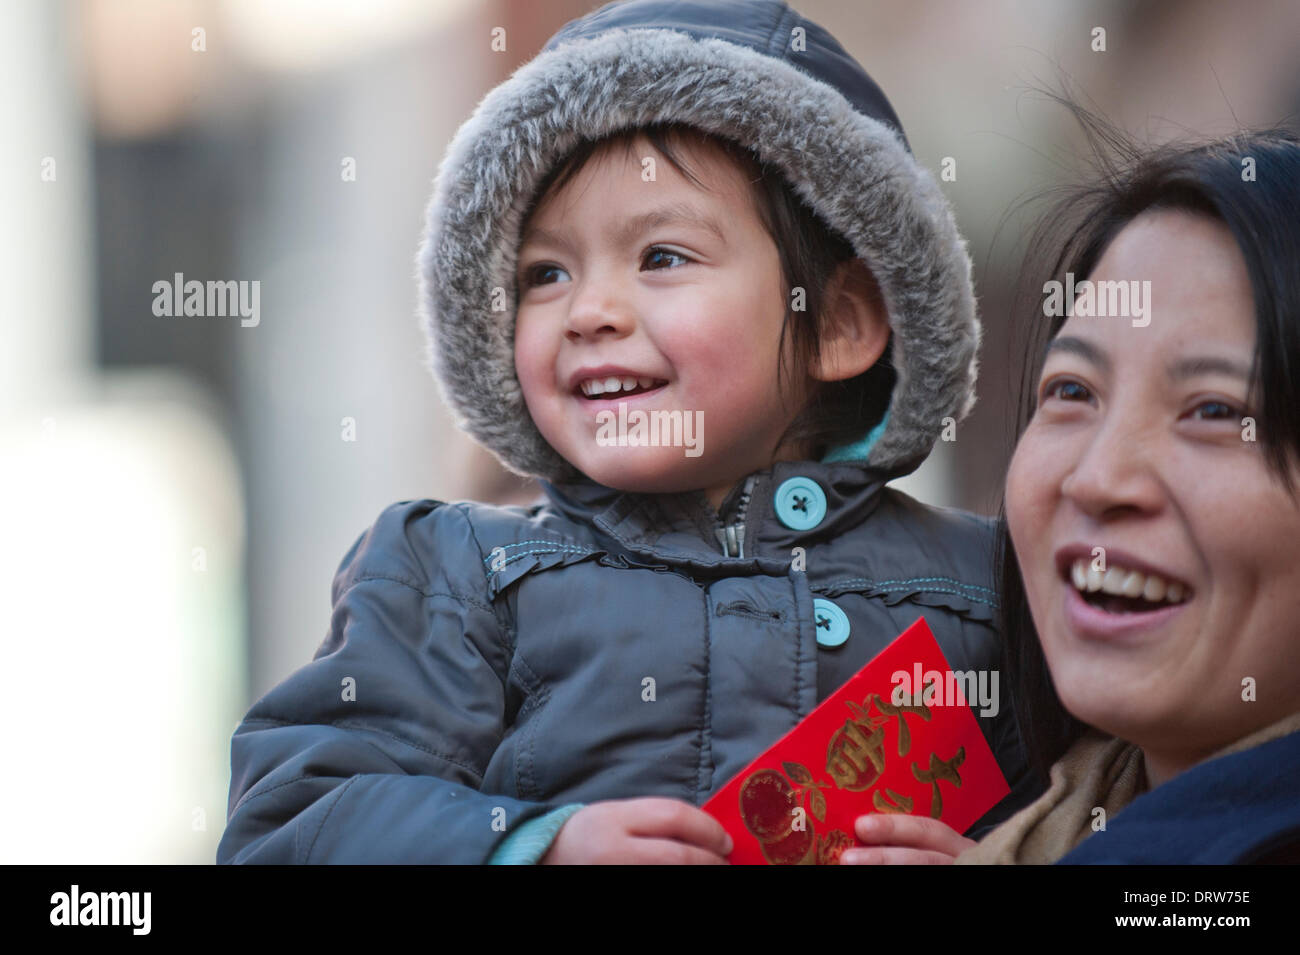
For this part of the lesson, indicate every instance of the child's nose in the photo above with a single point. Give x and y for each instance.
(596, 312)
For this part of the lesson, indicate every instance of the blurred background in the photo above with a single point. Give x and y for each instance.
(178, 492)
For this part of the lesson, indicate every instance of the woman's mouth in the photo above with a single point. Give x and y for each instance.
(1121, 600)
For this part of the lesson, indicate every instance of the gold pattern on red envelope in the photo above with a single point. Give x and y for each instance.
(879, 756)
(939, 769)
(771, 808)
(855, 757)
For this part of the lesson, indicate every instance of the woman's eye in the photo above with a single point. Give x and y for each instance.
(1066, 390)
(657, 251)
(1219, 411)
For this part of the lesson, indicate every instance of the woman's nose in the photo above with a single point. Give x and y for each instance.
(1116, 471)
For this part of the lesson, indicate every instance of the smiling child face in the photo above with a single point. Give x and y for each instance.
(1137, 446)
(664, 282)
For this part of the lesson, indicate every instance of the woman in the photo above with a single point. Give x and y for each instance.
(1151, 595)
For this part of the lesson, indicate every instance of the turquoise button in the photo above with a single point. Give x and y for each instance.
(800, 503)
(831, 623)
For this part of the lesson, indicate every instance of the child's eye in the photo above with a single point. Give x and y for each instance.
(534, 274)
(656, 251)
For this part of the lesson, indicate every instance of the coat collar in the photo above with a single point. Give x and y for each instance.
(683, 527)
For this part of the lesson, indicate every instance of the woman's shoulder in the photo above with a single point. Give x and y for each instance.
(1242, 807)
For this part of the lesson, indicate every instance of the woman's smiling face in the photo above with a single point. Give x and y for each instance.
(1137, 447)
(620, 277)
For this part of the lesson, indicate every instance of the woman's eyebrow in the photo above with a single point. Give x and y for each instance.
(1197, 365)
(1077, 346)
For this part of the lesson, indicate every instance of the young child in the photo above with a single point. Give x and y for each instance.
(695, 228)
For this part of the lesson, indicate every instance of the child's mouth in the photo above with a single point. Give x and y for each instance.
(618, 389)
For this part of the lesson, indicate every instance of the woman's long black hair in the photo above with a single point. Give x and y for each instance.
(1250, 181)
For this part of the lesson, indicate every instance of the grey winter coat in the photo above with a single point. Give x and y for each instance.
(515, 680)
(486, 665)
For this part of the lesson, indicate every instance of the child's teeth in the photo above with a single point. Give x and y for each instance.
(603, 386)
(1175, 592)
(1079, 574)
(1154, 589)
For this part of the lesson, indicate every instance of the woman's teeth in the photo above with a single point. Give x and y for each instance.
(605, 386)
(1122, 582)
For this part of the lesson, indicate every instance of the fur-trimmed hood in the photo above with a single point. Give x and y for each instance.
(754, 71)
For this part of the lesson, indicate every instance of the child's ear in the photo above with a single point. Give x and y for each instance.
(856, 323)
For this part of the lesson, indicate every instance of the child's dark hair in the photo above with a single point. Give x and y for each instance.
(838, 412)
(1250, 182)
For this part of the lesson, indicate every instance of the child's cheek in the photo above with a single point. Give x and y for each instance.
(528, 361)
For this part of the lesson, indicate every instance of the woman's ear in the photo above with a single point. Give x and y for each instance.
(856, 323)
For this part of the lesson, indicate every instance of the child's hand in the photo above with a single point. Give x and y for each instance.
(651, 830)
(897, 839)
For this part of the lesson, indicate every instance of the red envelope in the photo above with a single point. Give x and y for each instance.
(880, 743)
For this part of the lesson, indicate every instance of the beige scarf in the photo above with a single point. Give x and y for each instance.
(1097, 771)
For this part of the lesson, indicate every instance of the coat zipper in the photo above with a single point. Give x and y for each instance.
(732, 536)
